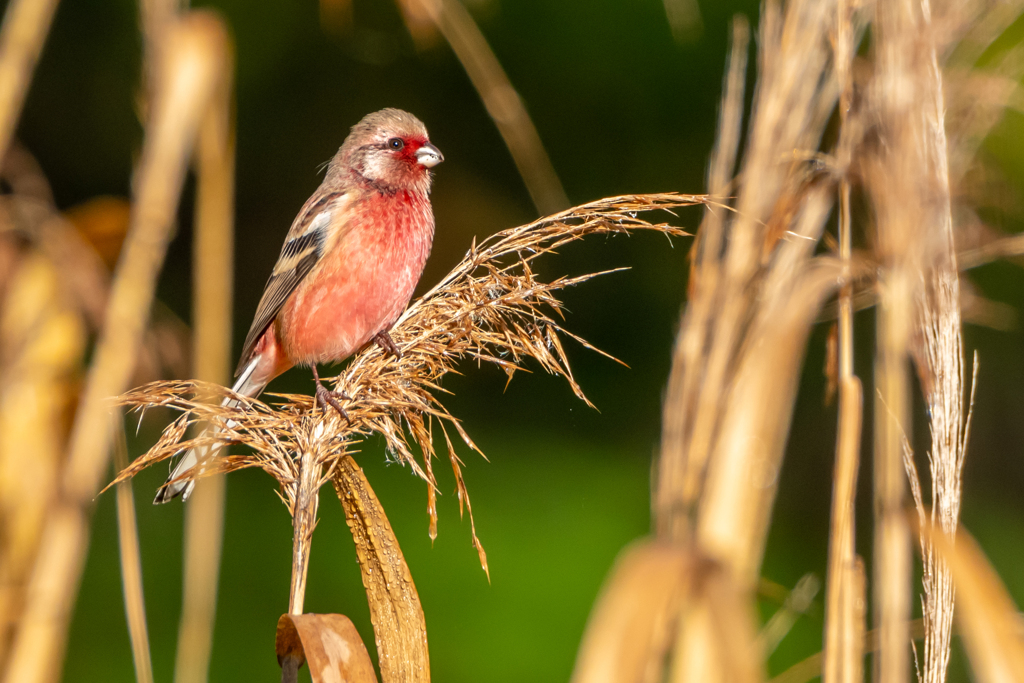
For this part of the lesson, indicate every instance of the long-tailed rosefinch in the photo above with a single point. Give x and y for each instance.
(349, 263)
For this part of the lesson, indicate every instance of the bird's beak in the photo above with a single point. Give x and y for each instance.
(429, 156)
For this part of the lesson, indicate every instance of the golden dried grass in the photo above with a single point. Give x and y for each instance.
(757, 284)
(213, 259)
(194, 60)
(989, 621)
(630, 631)
(738, 350)
(42, 343)
(131, 567)
(492, 307)
(26, 24)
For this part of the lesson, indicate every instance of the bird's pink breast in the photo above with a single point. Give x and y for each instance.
(362, 283)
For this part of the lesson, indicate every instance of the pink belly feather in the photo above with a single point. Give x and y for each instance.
(362, 284)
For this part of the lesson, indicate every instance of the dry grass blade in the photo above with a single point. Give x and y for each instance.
(909, 182)
(901, 180)
(797, 603)
(131, 567)
(675, 460)
(500, 98)
(811, 667)
(734, 281)
(303, 502)
(989, 622)
(939, 361)
(718, 634)
(630, 629)
(42, 343)
(842, 656)
(395, 609)
(26, 23)
(156, 17)
(195, 54)
(756, 288)
(841, 617)
(940, 367)
(213, 259)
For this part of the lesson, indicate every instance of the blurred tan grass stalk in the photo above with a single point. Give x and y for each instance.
(42, 344)
(425, 19)
(26, 25)
(845, 599)
(41, 338)
(195, 58)
(131, 561)
(213, 268)
(503, 103)
(53, 288)
(756, 285)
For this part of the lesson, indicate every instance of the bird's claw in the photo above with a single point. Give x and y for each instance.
(325, 397)
(385, 342)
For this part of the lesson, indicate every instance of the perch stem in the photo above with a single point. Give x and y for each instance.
(304, 509)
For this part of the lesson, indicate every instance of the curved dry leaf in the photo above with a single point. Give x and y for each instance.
(395, 610)
(329, 643)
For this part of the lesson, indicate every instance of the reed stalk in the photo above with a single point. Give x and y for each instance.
(131, 564)
(26, 25)
(213, 264)
(842, 646)
(500, 98)
(195, 51)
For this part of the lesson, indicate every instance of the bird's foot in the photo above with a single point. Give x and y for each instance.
(385, 342)
(325, 397)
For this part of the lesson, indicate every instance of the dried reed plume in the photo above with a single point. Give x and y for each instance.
(491, 308)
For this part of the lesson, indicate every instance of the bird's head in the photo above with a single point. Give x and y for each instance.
(390, 150)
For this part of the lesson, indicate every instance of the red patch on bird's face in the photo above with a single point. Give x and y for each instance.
(409, 148)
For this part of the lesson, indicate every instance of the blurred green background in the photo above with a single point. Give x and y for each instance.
(621, 108)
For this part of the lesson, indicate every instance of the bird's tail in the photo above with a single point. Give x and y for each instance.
(250, 383)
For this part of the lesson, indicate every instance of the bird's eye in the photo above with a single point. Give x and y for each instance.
(396, 143)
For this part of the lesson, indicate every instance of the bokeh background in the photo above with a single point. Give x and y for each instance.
(621, 107)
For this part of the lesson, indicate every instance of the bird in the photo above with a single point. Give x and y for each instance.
(347, 269)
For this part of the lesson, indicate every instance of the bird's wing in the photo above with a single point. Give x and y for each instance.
(302, 250)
